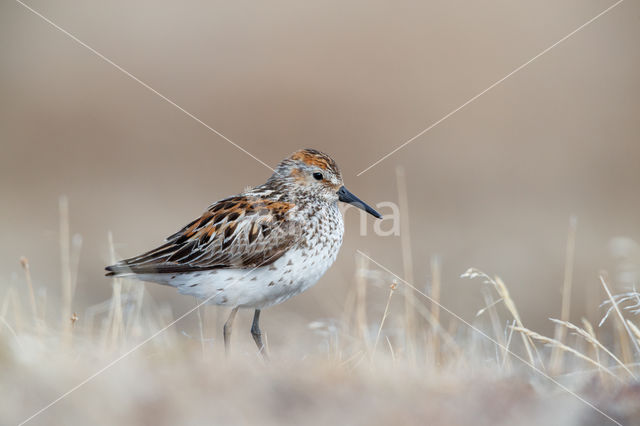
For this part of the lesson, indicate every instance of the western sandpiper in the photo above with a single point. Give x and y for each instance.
(258, 248)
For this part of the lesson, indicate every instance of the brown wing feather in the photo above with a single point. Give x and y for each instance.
(237, 232)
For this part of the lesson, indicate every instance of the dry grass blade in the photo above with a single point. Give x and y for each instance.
(511, 306)
(503, 292)
(589, 329)
(616, 308)
(65, 263)
(595, 342)
(393, 353)
(384, 317)
(488, 307)
(407, 263)
(435, 304)
(24, 262)
(495, 322)
(556, 355)
(563, 347)
(635, 329)
(362, 264)
(506, 361)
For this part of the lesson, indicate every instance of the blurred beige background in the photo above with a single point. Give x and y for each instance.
(491, 187)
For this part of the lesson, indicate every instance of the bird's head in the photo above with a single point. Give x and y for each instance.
(313, 174)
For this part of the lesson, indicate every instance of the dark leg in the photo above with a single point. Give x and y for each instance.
(227, 329)
(257, 334)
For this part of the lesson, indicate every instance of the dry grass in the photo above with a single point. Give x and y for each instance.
(355, 370)
(560, 332)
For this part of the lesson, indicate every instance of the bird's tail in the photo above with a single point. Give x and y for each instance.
(120, 269)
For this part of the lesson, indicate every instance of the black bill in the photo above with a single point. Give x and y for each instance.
(346, 197)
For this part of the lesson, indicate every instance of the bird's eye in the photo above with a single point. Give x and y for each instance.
(318, 176)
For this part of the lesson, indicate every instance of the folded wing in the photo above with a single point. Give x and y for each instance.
(238, 232)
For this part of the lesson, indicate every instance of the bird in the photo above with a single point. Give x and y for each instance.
(258, 248)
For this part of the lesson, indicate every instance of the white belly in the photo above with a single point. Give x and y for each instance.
(294, 272)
